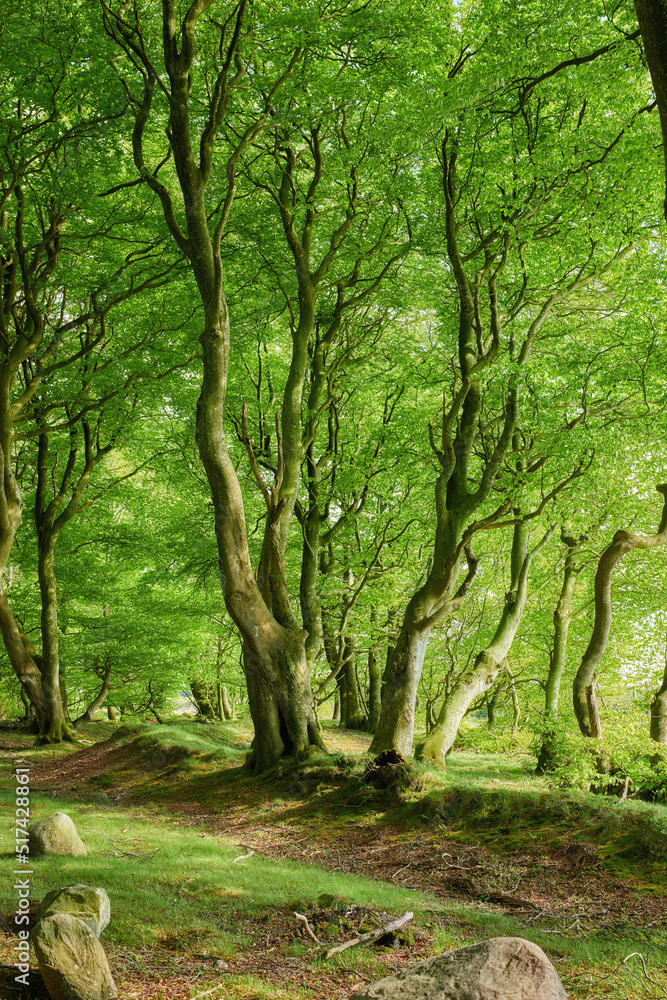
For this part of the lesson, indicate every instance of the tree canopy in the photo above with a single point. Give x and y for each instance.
(332, 345)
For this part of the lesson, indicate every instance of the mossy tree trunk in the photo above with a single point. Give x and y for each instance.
(622, 543)
(274, 643)
(557, 656)
(489, 661)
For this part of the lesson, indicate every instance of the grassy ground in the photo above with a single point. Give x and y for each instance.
(206, 865)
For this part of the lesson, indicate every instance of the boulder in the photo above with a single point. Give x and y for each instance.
(86, 902)
(55, 834)
(502, 968)
(71, 960)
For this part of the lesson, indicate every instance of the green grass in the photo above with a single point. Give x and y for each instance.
(178, 888)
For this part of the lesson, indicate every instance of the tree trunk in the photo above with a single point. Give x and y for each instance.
(622, 542)
(491, 707)
(55, 728)
(104, 673)
(658, 727)
(279, 696)
(396, 725)
(489, 661)
(350, 716)
(201, 692)
(562, 618)
(374, 679)
(23, 664)
(652, 17)
(227, 710)
(593, 713)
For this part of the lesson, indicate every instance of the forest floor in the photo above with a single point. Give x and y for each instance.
(206, 865)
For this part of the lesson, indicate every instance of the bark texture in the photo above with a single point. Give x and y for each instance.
(658, 727)
(622, 543)
(490, 660)
(652, 18)
(274, 644)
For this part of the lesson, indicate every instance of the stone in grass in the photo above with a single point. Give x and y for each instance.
(86, 902)
(55, 834)
(71, 960)
(502, 968)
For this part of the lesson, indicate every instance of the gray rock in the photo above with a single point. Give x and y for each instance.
(86, 902)
(71, 960)
(55, 834)
(501, 968)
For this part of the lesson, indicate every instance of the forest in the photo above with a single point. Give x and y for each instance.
(333, 381)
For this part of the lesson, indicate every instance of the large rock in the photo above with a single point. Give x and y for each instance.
(55, 834)
(86, 902)
(71, 960)
(502, 968)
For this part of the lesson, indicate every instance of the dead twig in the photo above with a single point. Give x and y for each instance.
(118, 853)
(372, 935)
(302, 918)
(242, 857)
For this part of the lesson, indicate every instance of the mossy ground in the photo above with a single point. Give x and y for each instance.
(205, 863)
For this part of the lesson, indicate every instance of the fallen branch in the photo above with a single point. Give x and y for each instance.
(242, 857)
(372, 935)
(118, 853)
(302, 918)
(628, 782)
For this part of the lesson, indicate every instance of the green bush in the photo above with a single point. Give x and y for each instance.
(602, 765)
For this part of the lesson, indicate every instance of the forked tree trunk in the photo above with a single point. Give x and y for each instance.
(489, 661)
(396, 725)
(562, 617)
(104, 674)
(622, 543)
(279, 696)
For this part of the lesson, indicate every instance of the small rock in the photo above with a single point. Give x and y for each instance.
(86, 902)
(55, 834)
(501, 968)
(71, 960)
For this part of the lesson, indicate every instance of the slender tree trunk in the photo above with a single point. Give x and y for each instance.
(11, 507)
(23, 664)
(562, 617)
(104, 673)
(489, 661)
(227, 710)
(309, 599)
(55, 727)
(622, 543)
(593, 712)
(351, 715)
(658, 729)
(491, 707)
(516, 705)
(374, 679)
